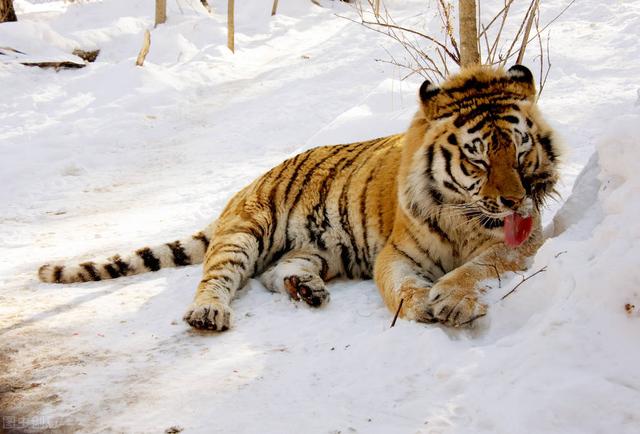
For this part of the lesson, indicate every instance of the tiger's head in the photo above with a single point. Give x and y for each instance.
(479, 145)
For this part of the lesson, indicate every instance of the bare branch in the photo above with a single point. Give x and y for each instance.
(395, 317)
(523, 47)
(524, 279)
(404, 29)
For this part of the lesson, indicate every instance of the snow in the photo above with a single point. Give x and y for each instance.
(113, 157)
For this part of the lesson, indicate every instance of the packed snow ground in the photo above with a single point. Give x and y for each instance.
(113, 157)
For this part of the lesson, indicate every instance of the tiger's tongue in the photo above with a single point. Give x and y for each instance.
(516, 229)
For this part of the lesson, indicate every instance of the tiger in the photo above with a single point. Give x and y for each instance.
(428, 214)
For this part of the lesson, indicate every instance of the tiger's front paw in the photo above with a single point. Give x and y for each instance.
(209, 316)
(453, 306)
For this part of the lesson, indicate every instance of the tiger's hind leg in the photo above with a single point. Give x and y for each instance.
(301, 275)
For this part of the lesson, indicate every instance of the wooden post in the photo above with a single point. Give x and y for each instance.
(145, 48)
(7, 13)
(376, 7)
(161, 11)
(230, 28)
(274, 8)
(469, 54)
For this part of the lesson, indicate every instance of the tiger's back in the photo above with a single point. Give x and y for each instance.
(332, 198)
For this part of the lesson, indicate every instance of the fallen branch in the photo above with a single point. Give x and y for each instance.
(56, 65)
(395, 317)
(524, 279)
(145, 48)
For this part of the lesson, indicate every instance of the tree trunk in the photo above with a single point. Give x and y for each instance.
(469, 54)
(161, 11)
(7, 13)
(274, 8)
(230, 28)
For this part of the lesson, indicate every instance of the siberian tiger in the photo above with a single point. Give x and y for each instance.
(428, 213)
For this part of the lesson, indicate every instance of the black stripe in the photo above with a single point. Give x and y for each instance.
(435, 228)
(324, 265)
(123, 267)
(57, 273)
(545, 142)
(363, 215)
(343, 206)
(536, 166)
(435, 196)
(429, 168)
(451, 187)
(273, 211)
(452, 139)
(113, 273)
(510, 118)
(200, 236)
(305, 156)
(180, 257)
(318, 220)
(406, 256)
(481, 123)
(226, 249)
(90, 268)
(473, 185)
(150, 261)
(447, 165)
(346, 260)
(469, 103)
(224, 263)
(309, 175)
(464, 170)
(220, 277)
(425, 252)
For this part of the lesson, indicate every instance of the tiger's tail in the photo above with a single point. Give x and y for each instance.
(175, 254)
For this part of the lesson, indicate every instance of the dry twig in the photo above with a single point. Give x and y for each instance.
(395, 317)
(524, 279)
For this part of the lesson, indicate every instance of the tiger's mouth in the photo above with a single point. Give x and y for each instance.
(516, 226)
(517, 229)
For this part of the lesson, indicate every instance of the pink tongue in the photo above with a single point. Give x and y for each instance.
(516, 229)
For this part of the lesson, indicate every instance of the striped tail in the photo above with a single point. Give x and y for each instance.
(174, 254)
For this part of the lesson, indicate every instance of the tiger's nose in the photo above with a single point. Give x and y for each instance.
(512, 202)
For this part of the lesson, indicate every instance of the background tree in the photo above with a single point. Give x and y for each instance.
(497, 39)
(7, 13)
(161, 11)
(469, 53)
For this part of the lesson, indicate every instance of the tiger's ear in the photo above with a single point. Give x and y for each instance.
(427, 91)
(521, 74)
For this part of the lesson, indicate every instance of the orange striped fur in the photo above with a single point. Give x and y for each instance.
(421, 212)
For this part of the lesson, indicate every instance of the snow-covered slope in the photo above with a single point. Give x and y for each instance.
(113, 157)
